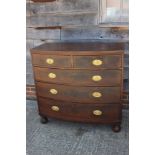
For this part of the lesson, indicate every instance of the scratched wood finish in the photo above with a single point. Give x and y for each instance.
(43, 0)
(43, 34)
(80, 112)
(45, 20)
(63, 6)
(78, 77)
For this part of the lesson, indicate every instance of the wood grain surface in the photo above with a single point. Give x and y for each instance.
(79, 77)
(80, 112)
(79, 94)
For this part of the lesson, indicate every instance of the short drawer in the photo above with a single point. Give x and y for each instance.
(79, 94)
(51, 61)
(79, 77)
(80, 112)
(105, 61)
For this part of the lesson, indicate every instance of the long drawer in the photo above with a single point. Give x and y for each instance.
(80, 112)
(79, 77)
(79, 94)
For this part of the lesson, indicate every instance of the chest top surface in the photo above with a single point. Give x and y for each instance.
(82, 48)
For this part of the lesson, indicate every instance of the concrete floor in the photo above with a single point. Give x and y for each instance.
(70, 138)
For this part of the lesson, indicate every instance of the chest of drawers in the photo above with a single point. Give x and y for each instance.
(79, 82)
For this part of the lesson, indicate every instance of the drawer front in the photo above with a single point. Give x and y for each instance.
(79, 94)
(79, 77)
(80, 112)
(51, 61)
(106, 61)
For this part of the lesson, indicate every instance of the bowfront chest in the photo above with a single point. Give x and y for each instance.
(79, 82)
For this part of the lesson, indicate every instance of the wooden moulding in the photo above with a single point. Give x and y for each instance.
(48, 27)
(43, 0)
(121, 29)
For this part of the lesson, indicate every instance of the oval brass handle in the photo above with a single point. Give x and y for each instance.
(97, 112)
(52, 75)
(53, 91)
(96, 94)
(97, 62)
(55, 108)
(96, 78)
(49, 61)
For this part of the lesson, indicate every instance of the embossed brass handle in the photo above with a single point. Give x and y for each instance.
(97, 112)
(97, 62)
(49, 61)
(96, 94)
(96, 78)
(52, 75)
(53, 91)
(55, 108)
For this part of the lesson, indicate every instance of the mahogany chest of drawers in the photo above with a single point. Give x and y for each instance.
(79, 82)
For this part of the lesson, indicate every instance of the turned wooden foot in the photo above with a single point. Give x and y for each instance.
(116, 128)
(43, 120)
